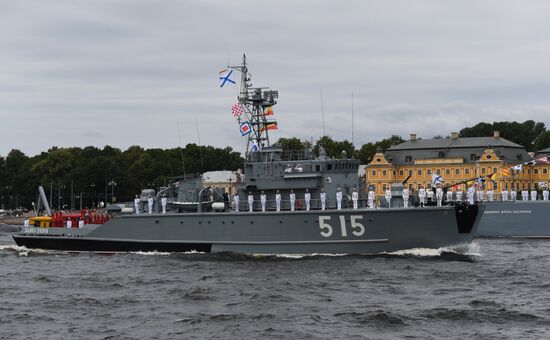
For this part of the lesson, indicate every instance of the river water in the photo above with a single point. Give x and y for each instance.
(492, 289)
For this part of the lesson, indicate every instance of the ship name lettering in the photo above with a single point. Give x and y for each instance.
(357, 228)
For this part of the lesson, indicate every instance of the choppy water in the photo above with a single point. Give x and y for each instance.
(493, 289)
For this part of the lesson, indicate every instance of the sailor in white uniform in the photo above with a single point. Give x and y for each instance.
(459, 194)
(278, 201)
(422, 196)
(545, 194)
(405, 195)
(480, 195)
(524, 195)
(299, 168)
(250, 201)
(470, 194)
(292, 200)
(439, 196)
(450, 195)
(80, 223)
(26, 222)
(163, 201)
(504, 195)
(69, 223)
(323, 198)
(236, 202)
(355, 198)
(307, 199)
(150, 205)
(490, 195)
(263, 200)
(136, 204)
(339, 196)
(430, 195)
(371, 199)
(533, 195)
(387, 196)
(288, 169)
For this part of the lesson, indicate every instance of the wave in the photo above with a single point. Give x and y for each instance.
(470, 249)
(24, 251)
(493, 315)
(379, 318)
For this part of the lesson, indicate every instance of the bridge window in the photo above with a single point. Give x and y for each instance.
(408, 159)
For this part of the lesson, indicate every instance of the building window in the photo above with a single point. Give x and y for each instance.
(494, 170)
(410, 172)
(528, 171)
(447, 171)
(400, 172)
(394, 173)
(384, 187)
(536, 171)
(483, 170)
(457, 171)
(466, 171)
(544, 171)
(384, 173)
(419, 172)
(429, 171)
(438, 171)
(373, 173)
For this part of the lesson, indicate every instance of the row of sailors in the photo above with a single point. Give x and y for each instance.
(292, 199)
(150, 201)
(472, 195)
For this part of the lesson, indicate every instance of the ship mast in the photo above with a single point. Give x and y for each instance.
(255, 101)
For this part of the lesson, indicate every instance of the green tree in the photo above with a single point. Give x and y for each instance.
(542, 141)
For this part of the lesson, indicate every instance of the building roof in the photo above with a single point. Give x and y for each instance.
(464, 142)
(467, 148)
(543, 152)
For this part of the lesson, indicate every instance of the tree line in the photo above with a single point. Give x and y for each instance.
(92, 174)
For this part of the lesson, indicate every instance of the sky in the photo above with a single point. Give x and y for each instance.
(122, 73)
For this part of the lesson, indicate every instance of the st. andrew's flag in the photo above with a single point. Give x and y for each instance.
(436, 179)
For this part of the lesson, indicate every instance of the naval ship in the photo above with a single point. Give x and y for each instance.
(518, 218)
(213, 227)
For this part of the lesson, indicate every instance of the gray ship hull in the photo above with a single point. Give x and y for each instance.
(315, 232)
(515, 219)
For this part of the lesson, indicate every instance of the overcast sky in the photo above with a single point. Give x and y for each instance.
(122, 73)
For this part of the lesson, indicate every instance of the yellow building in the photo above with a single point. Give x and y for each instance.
(456, 160)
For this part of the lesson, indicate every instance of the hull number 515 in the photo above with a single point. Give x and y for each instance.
(356, 228)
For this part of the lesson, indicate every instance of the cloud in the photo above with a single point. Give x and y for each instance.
(125, 72)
